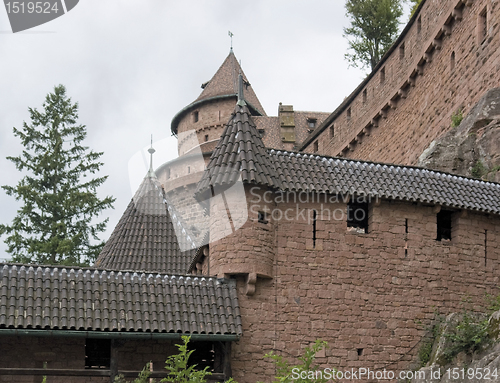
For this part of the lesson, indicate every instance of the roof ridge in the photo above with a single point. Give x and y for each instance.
(382, 163)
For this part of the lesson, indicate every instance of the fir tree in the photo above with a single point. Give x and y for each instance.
(56, 223)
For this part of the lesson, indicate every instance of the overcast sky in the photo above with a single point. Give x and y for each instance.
(132, 65)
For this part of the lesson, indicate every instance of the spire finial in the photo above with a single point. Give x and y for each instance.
(241, 99)
(230, 34)
(151, 152)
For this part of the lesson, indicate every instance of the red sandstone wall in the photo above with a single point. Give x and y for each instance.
(357, 291)
(400, 117)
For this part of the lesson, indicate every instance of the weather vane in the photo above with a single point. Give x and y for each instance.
(230, 34)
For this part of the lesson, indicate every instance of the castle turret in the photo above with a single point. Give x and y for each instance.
(208, 114)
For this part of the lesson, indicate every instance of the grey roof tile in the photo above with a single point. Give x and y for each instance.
(103, 300)
(145, 238)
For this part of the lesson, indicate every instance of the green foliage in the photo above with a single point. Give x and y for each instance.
(180, 371)
(414, 6)
(287, 373)
(142, 378)
(478, 170)
(374, 27)
(457, 118)
(425, 351)
(493, 303)
(58, 194)
(469, 335)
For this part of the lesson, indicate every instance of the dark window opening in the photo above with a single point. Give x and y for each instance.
(316, 147)
(196, 116)
(97, 353)
(315, 217)
(365, 96)
(382, 75)
(203, 356)
(452, 60)
(261, 132)
(357, 215)
(444, 225)
(419, 24)
(332, 131)
(189, 169)
(360, 351)
(349, 113)
(262, 217)
(482, 24)
(402, 51)
(406, 226)
(206, 137)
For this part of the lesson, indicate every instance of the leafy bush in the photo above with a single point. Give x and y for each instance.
(457, 118)
(469, 335)
(287, 373)
(478, 170)
(142, 378)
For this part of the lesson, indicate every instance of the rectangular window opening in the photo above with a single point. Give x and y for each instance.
(262, 217)
(382, 76)
(316, 147)
(206, 137)
(444, 225)
(357, 216)
(365, 96)
(349, 113)
(97, 353)
(419, 24)
(452, 60)
(332, 131)
(360, 351)
(402, 51)
(196, 116)
(482, 24)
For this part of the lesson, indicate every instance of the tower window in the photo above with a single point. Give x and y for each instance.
(482, 24)
(419, 24)
(97, 353)
(262, 217)
(316, 147)
(349, 113)
(452, 60)
(444, 225)
(382, 75)
(206, 137)
(402, 51)
(365, 96)
(357, 215)
(332, 131)
(196, 116)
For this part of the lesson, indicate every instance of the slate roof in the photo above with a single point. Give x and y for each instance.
(145, 237)
(225, 82)
(241, 147)
(80, 299)
(239, 151)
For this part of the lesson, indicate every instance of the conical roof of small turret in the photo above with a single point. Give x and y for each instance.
(223, 85)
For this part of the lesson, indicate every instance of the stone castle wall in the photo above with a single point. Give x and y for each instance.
(370, 295)
(447, 59)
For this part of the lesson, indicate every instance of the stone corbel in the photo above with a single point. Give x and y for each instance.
(393, 104)
(469, 3)
(446, 29)
(437, 43)
(428, 57)
(412, 81)
(375, 122)
(457, 14)
(402, 93)
(251, 281)
(436, 209)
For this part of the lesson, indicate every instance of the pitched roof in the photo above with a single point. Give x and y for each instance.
(225, 82)
(145, 237)
(241, 148)
(239, 151)
(320, 174)
(80, 299)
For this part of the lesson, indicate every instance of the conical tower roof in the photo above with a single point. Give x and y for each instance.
(240, 150)
(145, 238)
(223, 85)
